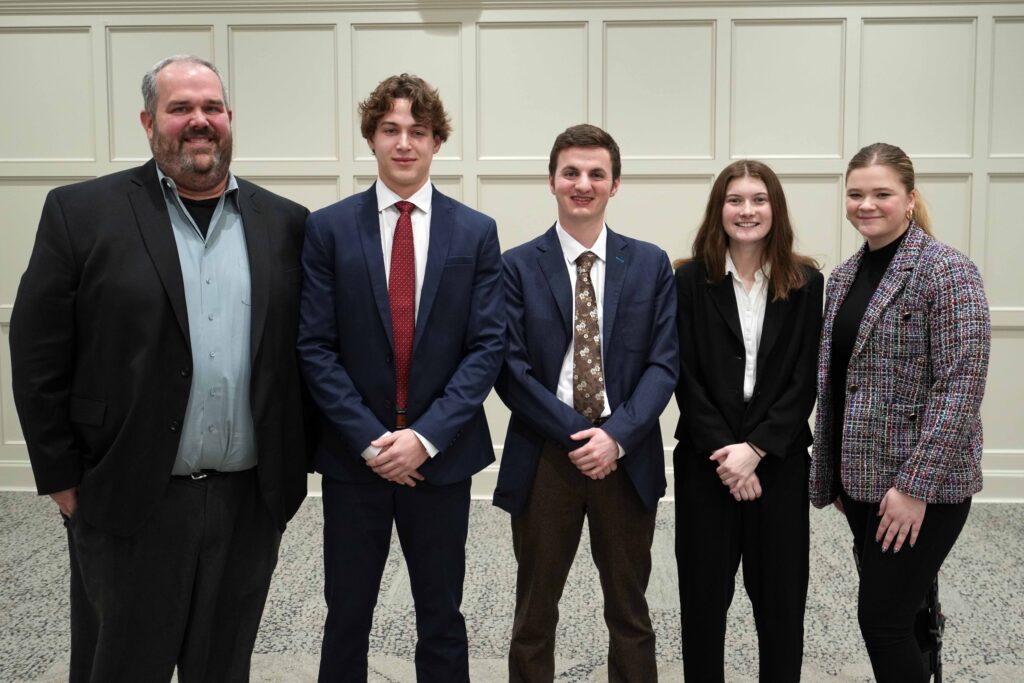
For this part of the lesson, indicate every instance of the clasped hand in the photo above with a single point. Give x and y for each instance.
(401, 454)
(736, 465)
(599, 456)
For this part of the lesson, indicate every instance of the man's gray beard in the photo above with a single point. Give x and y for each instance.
(205, 179)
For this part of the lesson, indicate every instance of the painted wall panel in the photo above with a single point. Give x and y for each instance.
(47, 83)
(285, 86)
(660, 88)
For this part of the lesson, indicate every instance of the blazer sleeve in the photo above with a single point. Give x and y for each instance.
(634, 418)
(42, 338)
(328, 382)
(960, 339)
(788, 414)
(700, 420)
(484, 346)
(518, 386)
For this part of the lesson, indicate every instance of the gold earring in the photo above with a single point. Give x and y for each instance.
(909, 215)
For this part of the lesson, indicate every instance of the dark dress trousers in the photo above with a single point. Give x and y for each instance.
(346, 350)
(537, 483)
(713, 530)
(102, 371)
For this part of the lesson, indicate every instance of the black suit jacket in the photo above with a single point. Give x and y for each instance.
(101, 356)
(710, 391)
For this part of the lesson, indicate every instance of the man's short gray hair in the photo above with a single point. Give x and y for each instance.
(149, 94)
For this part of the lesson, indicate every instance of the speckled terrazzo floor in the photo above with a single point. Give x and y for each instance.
(982, 594)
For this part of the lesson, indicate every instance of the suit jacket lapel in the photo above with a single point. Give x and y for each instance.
(552, 263)
(774, 313)
(614, 276)
(257, 249)
(368, 227)
(442, 223)
(724, 297)
(147, 200)
(892, 283)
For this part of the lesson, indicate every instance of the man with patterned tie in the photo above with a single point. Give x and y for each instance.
(401, 336)
(592, 362)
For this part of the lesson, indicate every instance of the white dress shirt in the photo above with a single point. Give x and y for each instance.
(388, 215)
(751, 306)
(571, 250)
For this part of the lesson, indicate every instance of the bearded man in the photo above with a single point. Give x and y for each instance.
(154, 370)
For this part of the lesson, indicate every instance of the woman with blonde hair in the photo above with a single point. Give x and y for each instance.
(749, 316)
(901, 374)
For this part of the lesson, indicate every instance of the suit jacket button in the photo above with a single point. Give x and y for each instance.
(853, 388)
(186, 372)
(174, 426)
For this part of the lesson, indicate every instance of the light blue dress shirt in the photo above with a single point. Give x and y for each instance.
(218, 432)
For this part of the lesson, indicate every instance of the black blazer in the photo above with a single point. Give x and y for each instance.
(711, 353)
(102, 363)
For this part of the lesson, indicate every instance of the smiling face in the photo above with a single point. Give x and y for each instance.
(747, 212)
(404, 149)
(878, 204)
(190, 129)
(582, 185)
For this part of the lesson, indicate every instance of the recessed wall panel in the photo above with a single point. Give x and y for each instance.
(277, 71)
(1004, 242)
(665, 210)
(787, 88)
(1007, 136)
(22, 202)
(531, 85)
(131, 52)
(312, 192)
(448, 185)
(1000, 410)
(815, 205)
(523, 206)
(47, 82)
(431, 51)
(948, 198)
(917, 85)
(10, 428)
(675, 62)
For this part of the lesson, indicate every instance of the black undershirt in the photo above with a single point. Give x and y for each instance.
(201, 211)
(847, 325)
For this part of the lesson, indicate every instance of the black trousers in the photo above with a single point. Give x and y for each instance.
(186, 591)
(432, 523)
(545, 537)
(714, 532)
(893, 585)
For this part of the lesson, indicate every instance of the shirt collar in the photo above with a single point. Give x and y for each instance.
(386, 197)
(760, 275)
(571, 249)
(166, 181)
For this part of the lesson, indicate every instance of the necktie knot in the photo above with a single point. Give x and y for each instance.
(584, 262)
(405, 207)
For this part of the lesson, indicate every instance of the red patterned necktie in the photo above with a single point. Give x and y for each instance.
(402, 292)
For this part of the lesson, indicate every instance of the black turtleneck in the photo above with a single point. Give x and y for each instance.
(847, 324)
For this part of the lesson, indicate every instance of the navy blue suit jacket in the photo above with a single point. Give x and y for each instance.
(346, 344)
(641, 352)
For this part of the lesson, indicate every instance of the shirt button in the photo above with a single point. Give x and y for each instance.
(212, 428)
(209, 280)
(213, 354)
(209, 317)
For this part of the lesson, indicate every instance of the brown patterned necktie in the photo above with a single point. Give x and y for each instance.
(587, 375)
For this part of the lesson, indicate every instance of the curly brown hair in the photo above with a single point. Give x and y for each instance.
(427, 107)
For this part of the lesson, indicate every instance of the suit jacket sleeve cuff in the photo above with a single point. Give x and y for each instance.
(430, 448)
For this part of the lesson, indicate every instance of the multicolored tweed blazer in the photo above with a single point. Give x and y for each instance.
(914, 383)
